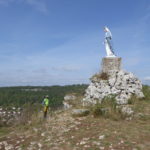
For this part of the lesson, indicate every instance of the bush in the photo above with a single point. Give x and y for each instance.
(18, 96)
(98, 110)
(29, 113)
(132, 100)
(107, 108)
(146, 91)
(100, 76)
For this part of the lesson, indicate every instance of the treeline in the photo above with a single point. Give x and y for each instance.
(18, 96)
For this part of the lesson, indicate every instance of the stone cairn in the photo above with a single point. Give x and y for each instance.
(112, 80)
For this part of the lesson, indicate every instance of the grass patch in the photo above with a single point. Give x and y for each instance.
(132, 100)
(4, 131)
(107, 108)
(146, 91)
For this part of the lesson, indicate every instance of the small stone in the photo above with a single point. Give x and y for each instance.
(32, 143)
(96, 143)
(18, 142)
(82, 142)
(122, 141)
(101, 137)
(43, 134)
(40, 145)
(87, 146)
(126, 110)
(80, 112)
(35, 129)
(9, 147)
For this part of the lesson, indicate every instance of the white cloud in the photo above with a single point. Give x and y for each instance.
(39, 5)
(147, 78)
(33, 78)
(5, 2)
(66, 68)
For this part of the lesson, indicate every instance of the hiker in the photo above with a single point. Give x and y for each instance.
(46, 105)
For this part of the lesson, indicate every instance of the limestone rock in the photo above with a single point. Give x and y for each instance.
(80, 112)
(66, 105)
(68, 100)
(127, 111)
(120, 83)
(70, 97)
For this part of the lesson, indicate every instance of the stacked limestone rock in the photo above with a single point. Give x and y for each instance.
(113, 81)
(9, 116)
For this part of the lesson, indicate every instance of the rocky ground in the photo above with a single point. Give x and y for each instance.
(61, 131)
(8, 115)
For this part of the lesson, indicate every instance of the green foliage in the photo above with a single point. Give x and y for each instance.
(29, 112)
(146, 91)
(97, 110)
(132, 100)
(106, 108)
(18, 96)
(4, 131)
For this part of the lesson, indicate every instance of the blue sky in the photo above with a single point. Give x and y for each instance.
(59, 42)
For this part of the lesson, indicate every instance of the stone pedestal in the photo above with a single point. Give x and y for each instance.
(111, 64)
(119, 83)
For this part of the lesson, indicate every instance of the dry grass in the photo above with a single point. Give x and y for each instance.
(107, 109)
(99, 76)
(62, 131)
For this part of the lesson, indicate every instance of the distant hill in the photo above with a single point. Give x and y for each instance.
(18, 96)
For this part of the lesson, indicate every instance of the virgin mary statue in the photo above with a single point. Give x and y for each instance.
(108, 43)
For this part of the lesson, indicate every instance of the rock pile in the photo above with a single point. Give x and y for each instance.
(80, 112)
(8, 116)
(120, 83)
(68, 100)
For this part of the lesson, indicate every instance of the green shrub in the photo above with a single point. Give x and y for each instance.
(18, 96)
(146, 91)
(132, 100)
(29, 112)
(107, 108)
(99, 110)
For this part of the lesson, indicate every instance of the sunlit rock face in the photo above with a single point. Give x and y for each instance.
(112, 80)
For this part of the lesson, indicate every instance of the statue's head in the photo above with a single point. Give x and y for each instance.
(106, 29)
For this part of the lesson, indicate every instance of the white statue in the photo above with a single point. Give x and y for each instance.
(108, 43)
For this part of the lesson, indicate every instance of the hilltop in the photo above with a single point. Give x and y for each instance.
(62, 131)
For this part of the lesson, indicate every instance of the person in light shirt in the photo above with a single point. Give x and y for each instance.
(46, 105)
